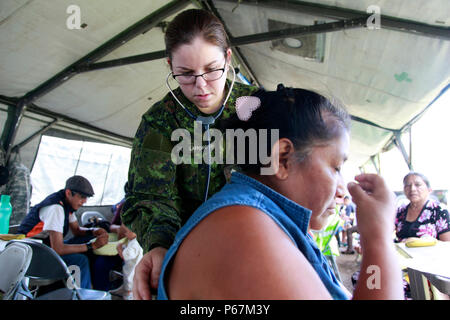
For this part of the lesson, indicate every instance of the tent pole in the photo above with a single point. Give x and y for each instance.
(236, 42)
(399, 144)
(119, 40)
(331, 12)
(13, 127)
(375, 164)
(410, 144)
(37, 133)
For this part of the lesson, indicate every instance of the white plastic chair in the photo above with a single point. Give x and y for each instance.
(14, 263)
(46, 264)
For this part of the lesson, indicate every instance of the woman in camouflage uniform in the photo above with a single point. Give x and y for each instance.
(162, 195)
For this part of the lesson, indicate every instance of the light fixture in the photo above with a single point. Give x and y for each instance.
(292, 43)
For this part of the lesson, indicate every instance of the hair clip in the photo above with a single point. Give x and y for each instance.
(245, 106)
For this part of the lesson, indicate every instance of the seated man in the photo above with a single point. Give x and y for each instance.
(52, 218)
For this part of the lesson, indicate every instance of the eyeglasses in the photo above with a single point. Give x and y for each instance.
(207, 76)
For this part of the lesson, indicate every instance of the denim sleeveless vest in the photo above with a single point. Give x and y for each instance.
(291, 217)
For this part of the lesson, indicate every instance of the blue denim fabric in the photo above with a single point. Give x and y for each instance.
(81, 261)
(291, 217)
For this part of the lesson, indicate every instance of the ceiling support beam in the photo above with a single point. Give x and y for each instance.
(399, 144)
(237, 51)
(331, 12)
(359, 22)
(130, 33)
(32, 108)
(240, 41)
(17, 147)
(13, 123)
(145, 57)
(376, 162)
(138, 28)
(370, 123)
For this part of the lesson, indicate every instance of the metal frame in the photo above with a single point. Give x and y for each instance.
(399, 144)
(359, 22)
(209, 5)
(32, 108)
(34, 135)
(347, 19)
(392, 23)
(138, 28)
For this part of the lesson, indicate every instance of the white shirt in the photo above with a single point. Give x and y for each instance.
(53, 218)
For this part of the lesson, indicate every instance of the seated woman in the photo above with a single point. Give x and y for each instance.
(250, 240)
(422, 216)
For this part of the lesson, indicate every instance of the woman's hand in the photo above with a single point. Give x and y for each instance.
(380, 273)
(375, 211)
(99, 231)
(146, 275)
(123, 232)
(101, 240)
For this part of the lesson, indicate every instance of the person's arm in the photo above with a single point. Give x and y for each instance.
(151, 209)
(123, 232)
(240, 253)
(53, 218)
(380, 274)
(445, 236)
(57, 244)
(443, 224)
(57, 239)
(146, 274)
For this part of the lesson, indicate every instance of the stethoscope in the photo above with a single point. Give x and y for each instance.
(206, 122)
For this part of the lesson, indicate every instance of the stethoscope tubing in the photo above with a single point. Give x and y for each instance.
(206, 122)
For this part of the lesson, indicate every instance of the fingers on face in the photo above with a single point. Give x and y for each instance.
(371, 182)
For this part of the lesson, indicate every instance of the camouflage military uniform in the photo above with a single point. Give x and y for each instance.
(19, 188)
(3, 164)
(160, 195)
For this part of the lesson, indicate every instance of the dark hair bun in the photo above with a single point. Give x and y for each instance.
(304, 117)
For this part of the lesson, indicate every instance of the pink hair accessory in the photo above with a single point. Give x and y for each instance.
(245, 106)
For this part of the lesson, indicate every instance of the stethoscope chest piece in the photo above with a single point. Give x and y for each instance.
(206, 121)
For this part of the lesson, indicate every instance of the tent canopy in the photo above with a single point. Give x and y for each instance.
(97, 80)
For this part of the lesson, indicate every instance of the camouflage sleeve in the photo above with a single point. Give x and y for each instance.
(150, 208)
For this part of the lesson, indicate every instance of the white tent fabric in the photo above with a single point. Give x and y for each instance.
(101, 163)
(384, 76)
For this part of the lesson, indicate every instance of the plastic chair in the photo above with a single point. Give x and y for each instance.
(87, 215)
(14, 262)
(47, 265)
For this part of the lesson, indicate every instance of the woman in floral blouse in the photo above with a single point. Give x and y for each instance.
(422, 216)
